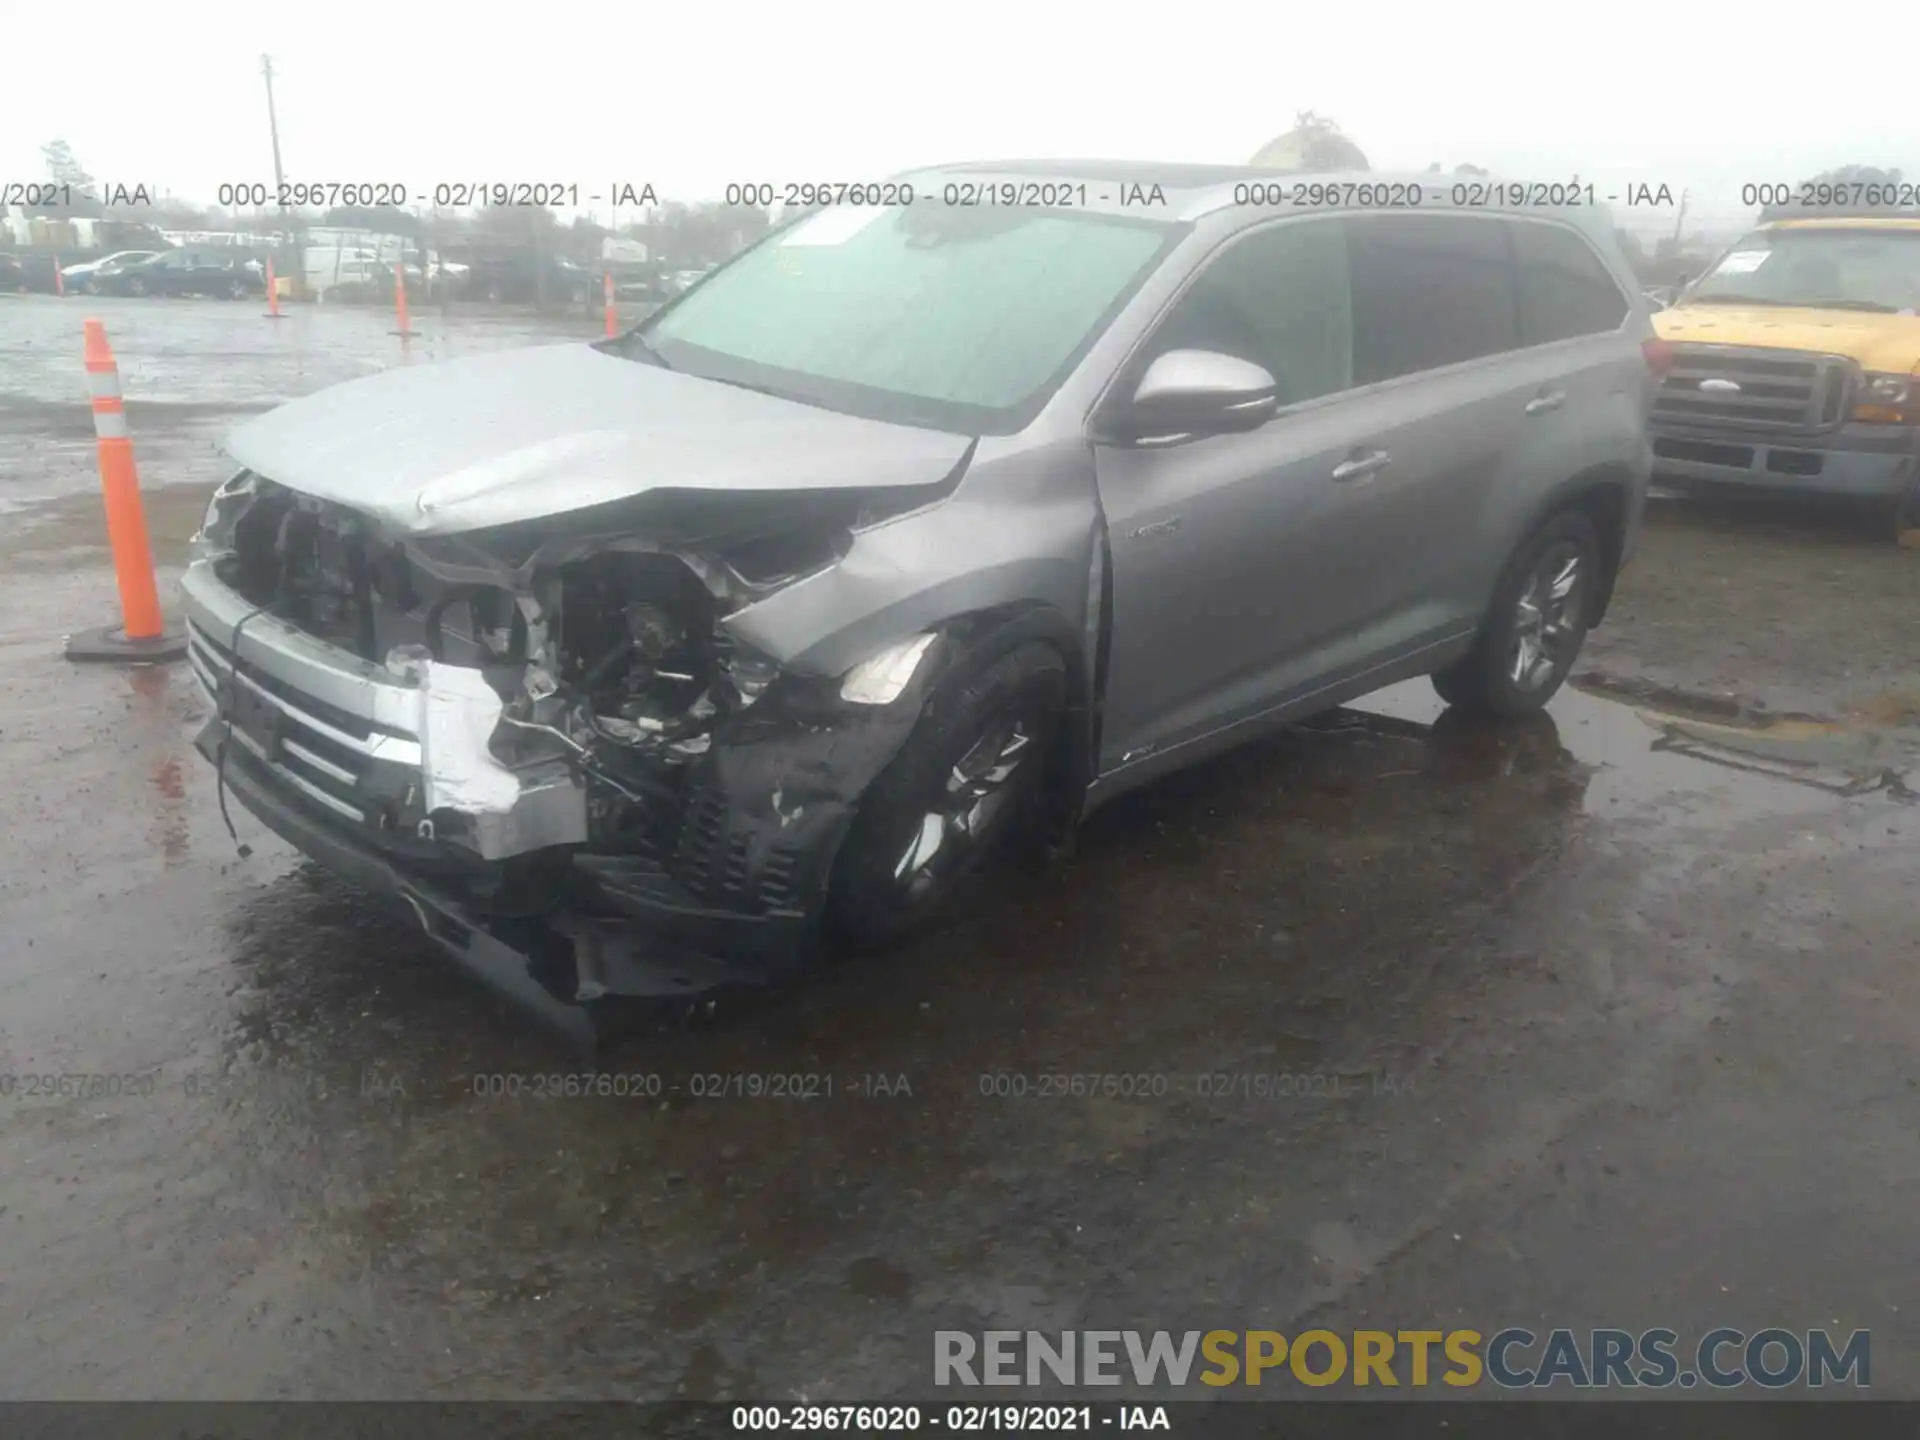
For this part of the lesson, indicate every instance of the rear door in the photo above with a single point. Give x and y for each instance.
(1584, 361)
(168, 274)
(1437, 335)
(210, 273)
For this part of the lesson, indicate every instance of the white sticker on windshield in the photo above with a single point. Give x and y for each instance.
(1741, 262)
(835, 225)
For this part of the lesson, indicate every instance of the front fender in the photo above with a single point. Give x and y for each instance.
(1003, 541)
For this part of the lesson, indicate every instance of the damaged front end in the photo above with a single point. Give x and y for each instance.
(551, 729)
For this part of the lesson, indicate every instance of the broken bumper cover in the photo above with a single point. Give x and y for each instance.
(1867, 462)
(358, 742)
(528, 962)
(336, 756)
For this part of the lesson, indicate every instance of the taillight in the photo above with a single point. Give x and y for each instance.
(1658, 355)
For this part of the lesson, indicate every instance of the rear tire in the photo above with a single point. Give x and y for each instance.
(1534, 628)
(962, 786)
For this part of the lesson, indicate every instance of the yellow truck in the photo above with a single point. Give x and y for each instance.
(1794, 364)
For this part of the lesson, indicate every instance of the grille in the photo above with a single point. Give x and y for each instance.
(700, 839)
(1732, 387)
(318, 750)
(715, 863)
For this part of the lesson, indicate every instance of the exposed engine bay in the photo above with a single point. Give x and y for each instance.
(590, 733)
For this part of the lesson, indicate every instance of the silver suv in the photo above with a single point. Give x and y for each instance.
(916, 529)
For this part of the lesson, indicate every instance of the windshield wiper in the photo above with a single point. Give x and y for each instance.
(1724, 299)
(748, 385)
(1873, 305)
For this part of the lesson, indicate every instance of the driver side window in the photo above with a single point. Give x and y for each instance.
(1277, 297)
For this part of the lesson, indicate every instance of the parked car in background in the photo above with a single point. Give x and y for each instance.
(1796, 367)
(80, 278)
(344, 272)
(529, 279)
(785, 608)
(13, 275)
(225, 274)
(363, 272)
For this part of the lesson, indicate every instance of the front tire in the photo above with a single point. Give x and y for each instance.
(1533, 630)
(963, 784)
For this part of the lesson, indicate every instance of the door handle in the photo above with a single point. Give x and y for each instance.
(1546, 400)
(1361, 466)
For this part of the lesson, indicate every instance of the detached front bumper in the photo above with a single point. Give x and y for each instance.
(1861, 462)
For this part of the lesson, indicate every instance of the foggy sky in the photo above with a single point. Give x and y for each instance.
(690, 97)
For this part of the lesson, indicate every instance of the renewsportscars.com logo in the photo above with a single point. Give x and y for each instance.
(1514, 1358)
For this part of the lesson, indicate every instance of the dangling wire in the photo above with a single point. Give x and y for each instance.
(224, 713)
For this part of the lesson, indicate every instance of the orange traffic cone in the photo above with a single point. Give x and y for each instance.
(142, 633)
(400, 300)
(273, 293)
(606, 291)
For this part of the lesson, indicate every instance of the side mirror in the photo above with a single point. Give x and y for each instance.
(1189, 393)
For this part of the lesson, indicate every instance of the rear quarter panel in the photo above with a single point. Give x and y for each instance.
(1598, 436)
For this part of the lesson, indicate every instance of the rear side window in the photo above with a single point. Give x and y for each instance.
(1429, 290)
(1565, 290)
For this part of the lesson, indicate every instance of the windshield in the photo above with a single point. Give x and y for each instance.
(1839, 268)
(959, 319)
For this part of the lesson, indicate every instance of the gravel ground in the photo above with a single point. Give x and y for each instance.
(1799, 607)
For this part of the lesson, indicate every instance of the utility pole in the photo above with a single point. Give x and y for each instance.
(1680, 220)
(287, 224)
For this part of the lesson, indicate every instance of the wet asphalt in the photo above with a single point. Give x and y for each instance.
(1605, 1020)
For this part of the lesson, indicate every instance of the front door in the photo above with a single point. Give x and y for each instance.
(1233, 555)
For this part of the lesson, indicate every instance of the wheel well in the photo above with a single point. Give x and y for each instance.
(1072, 762)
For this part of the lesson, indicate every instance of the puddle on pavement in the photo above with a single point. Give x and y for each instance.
(1243, 910)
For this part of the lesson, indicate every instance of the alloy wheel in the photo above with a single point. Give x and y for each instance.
(976, 801)
(1546, 625)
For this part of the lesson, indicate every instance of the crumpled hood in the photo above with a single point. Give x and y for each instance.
(1877, 341)
(521, 434)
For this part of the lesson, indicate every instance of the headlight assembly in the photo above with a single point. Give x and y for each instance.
(229, 503)
(1888, 400)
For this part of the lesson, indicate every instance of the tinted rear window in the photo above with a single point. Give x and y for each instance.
(1565, 290)
(1429, 290)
